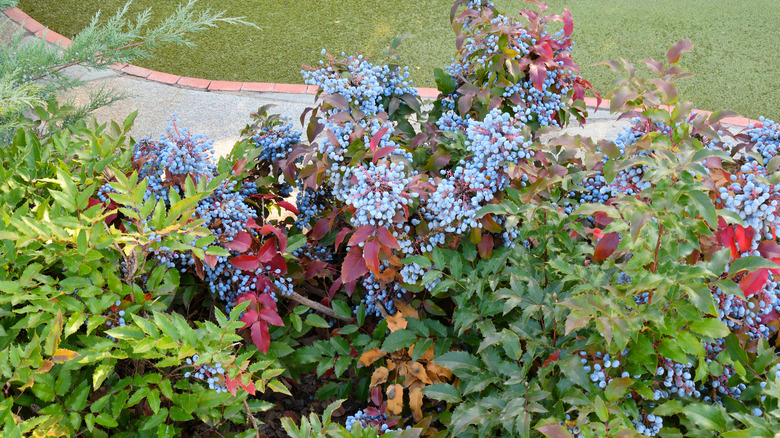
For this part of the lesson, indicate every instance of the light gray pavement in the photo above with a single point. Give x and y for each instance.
(221, 115)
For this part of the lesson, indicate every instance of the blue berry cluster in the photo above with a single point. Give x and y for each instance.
(212, 374)
(276, 140)
(378, 193)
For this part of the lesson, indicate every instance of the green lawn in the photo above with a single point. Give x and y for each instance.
(735, 58)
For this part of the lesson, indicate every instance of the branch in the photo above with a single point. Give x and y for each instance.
(316, 306)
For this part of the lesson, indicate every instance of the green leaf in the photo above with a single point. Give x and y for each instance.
(710, 327)
(459, 361)
(423, 262)
(316, 321)
(617, 388)
(443, 391)
(399, 339)
(706, 416)
(342, 309)
(572, 368)
(462, 418)
(751, 263)
(705, 206)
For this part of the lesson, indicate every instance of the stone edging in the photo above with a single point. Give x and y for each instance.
(31, 25)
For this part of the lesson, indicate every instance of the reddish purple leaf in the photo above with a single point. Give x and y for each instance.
(554, 431)
(260, 336)
(241, 242)
(544, 49)
(321, 228)
(267, 301)
(485, 246)
(382, 152)
(656, 67)
(538, 74)
(354, 266)
(271, 317)
(250, 317)
(340, 117)
(568, 23)
(680, 47)
(341, 235)
(371, 255)
(287, 206)
(769, 249)
(211, 260)
(267, 251)
(376, 395)
(744, 237)
(263, 283)
(268, 229)
(238, 167)
(251, 224)
(246, 262)
(606, 246)
(361, 234)
(754, 282)
(315, 268)
(377, 138)
(386, 238)
(278, 263)
(335, 288)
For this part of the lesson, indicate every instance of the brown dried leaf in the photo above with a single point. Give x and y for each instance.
(395, 399)
(437, 373)
(396, 322)
(417, 370)
(415, 402)
(379, 376)
(370, 357)
(406, 309)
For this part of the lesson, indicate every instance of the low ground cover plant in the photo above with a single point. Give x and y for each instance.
(438, 270)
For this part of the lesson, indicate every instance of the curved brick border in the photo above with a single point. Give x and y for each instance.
(24, 20)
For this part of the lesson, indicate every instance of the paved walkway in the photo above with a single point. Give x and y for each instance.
(202, 107)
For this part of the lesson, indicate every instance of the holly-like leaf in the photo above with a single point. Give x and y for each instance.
(376, 138)
(538, 74)
(568, 23)
(606, 246)
(361, 234)
(754, 282)
(554, 431)
(386, 238)
(288, 206)
(396, 322)
(63, 355)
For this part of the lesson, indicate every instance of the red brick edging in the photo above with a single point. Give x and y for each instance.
(24, 20)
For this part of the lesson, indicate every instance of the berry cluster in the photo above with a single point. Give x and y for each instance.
(212, 374)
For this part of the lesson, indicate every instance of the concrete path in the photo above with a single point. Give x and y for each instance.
(219, 114)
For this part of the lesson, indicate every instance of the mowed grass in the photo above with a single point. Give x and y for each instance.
(735, 58)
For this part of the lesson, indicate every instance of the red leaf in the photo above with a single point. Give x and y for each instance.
(680, 47)
(287, 206)
(543, 47)
(744, 237)
(267, 302)
(754, 282)
(211, 260)
(246, 262)
(376, 396)
(271, 317)
(568, 23)
(727, 237)
(769, 249)
(268, 229)
(340, 237)
(263, 284)
(335, 288)
(606, 246)
(260, 336)
(267, 251)
(250, 388)
(252, 224)
(377, 138)
(278, 262)
(249, 318)
(354, 266)
(554, 431)
(382, 152)
(553, 358)
(315, 268)
(387, 238)
(361, 234)
(321, 228)
(241, 242)
(485, 246)
(231, 385)
(239, 166)
(371, 255)
(538, 75)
